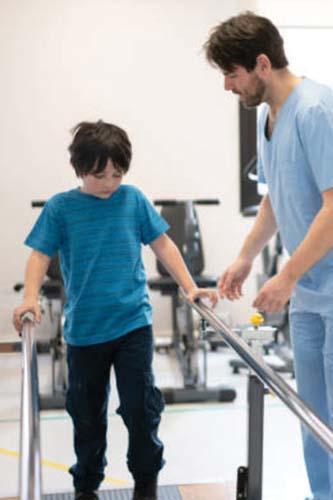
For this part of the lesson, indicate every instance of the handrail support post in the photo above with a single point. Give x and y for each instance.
(249, 479)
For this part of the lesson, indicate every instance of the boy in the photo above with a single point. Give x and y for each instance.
(98, 230)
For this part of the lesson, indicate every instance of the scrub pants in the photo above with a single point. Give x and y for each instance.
(141, 404)
(312, 342)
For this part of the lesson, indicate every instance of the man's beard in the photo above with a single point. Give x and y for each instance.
(254, 98)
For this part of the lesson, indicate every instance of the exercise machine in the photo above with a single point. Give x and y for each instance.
(271, 256)
(188, 342)
(52, 300)
(280, 345)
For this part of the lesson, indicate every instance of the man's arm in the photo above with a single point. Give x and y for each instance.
(231, 282)
(37, 266)
(167, 252)
(316, 244)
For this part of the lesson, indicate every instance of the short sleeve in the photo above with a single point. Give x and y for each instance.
(45, 236)
(152, 224)
(316, 133)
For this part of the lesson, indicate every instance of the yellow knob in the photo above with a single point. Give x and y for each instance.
(257, 319)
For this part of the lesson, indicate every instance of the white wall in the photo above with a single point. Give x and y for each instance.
(297, 12)
(139, 64)
(307, 30)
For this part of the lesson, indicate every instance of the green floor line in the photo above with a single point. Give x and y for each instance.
(169, 411)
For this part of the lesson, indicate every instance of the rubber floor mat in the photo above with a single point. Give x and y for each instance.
(164, 493)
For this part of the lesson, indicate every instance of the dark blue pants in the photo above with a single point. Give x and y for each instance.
(141, 404)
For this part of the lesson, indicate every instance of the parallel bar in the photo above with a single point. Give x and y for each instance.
(30, 468)
(290, 398)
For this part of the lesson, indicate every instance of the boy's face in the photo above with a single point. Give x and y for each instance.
(102, 184)
(248, 85)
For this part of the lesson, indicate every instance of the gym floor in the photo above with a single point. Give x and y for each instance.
(204, 443)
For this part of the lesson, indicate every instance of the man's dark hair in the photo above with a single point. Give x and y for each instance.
(239, 41)
(94, 143)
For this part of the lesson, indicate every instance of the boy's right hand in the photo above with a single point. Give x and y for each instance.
(231, 281)
(28, 305)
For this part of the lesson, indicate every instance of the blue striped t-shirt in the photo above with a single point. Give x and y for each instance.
(99, 243)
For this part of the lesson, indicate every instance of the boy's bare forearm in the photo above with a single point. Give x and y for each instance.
(167, 253)
(37, 266)
(263, 229)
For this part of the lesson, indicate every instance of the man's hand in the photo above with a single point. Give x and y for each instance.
(197, 293)
(28, 305)
(231, 282)
(275, 293)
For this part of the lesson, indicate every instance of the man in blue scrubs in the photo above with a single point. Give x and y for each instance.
(295, 160)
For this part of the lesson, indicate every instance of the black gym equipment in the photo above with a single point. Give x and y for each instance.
(186, 342)
(271, 255)
(52, 292)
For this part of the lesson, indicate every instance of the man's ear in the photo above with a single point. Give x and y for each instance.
(264, 65)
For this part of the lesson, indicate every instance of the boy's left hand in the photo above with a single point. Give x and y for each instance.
(198, 293)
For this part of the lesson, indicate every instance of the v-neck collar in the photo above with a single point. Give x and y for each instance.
(291, 96)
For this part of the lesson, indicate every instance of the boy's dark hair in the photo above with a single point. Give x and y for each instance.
(94, 143)
(239, 41)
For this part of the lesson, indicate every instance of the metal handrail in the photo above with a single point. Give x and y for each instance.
(30, 468)
(289, 397)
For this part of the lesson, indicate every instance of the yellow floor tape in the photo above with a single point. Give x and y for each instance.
(65, 468)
